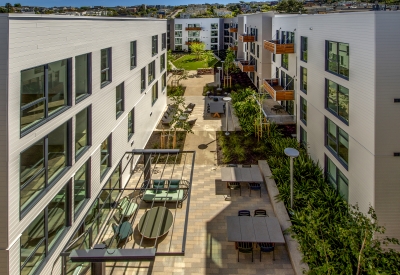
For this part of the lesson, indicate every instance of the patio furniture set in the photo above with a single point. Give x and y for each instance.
(169, 114)
(234, 176)
(215, 106)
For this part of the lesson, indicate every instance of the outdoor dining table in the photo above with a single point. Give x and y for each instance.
(216, 108)
(156, 222)
(254, 229)
(241, 174)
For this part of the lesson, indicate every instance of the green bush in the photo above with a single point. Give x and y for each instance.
(175, 90)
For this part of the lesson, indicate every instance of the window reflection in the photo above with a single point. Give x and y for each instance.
(81, 76)
(81, 131)
(80, 183)
(57, 211)
(57, 151)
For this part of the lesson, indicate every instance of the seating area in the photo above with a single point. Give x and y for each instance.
(169, 114)
(166, 190)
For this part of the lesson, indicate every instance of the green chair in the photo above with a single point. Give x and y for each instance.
(127, 207)
(174, 186)
(158, 184)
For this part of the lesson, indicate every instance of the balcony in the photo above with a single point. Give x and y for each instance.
(247, 38)
(245, 66)
(277, 92)
(192, 42)
(193, 28)
(275, 47)
(233, 48)
(232, 29)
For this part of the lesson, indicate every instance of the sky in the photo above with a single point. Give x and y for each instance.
(77, 3)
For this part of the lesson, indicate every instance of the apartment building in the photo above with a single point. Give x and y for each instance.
(77, 93)
(342, 70)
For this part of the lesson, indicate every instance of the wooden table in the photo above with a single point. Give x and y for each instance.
(254, 229)
(240, 174)
(156, 222)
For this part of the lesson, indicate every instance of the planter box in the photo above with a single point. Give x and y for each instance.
(205, 71)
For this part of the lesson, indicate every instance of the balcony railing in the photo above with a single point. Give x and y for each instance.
(276, 91)
(282, 119)
(192, 42)
(275, 47)
(247, 38)
(245, 66)
(233, 30)
(193, 28)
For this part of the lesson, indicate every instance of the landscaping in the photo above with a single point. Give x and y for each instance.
(175, 90)
(334, 237)
(190, 62)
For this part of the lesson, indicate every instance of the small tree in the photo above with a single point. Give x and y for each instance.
(229, 63)
(290, 6)
(178, 76)
(198, 49)
(208, 56)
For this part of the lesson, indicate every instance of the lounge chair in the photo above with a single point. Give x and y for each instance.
(192, 122)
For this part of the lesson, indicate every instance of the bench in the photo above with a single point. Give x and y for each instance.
(173, 190)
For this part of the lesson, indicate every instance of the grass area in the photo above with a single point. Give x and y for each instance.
(189, 62)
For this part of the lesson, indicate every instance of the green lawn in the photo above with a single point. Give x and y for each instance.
(189, 62)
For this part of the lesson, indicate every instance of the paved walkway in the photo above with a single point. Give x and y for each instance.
(207, 249)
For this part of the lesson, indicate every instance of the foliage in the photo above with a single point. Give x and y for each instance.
(229, 64)
(175, 90)
(197, 49)
(178, 125)
(190, 62)
(209, 58)
(290, 6)
(178, 76)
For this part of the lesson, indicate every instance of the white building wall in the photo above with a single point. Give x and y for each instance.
(37, 40)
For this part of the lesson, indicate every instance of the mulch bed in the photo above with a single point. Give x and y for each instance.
(154, 143)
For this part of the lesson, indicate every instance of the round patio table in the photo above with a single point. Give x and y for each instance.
(156, 222)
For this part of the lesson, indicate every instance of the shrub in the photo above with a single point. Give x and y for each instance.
(175, 90)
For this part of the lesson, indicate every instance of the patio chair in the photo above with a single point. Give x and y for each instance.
(234, 186)
(255, 186)
(245, 247)
(260, 213)
(192, 122)
(267, 247)
(244, 213)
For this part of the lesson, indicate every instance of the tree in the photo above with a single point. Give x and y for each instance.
(9, 7)
(197, 49)
(208, 56)
(229, 63)
(17, 5)
(290, 6)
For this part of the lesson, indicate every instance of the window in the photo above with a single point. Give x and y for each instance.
(131, 123)
(43, 233)
(178, 26)
(214, 26)
(195, 33)
(143, 79)
(119, 99)
(105, 156)
(152, 72)
(304, 48)
(178, 40)
(303, 110)
(303, 137)
(193, 25)
(337, 141)
(273, 57)
(83, 76)
(133, 54)
(178, 47)
(287, 37)
(154, 93)
(303, 79)
(81, 187)
(164, 82)
(45, 92)
(285, 61)
(214, 40)
(178, 34)
(162, 62)
(163, 41)
(82, 132)
(43, 163)
(258, 51)
(336, 178)
(226, 26)
(154, 45)
(337, 58)
(105, 67)
(337, 100)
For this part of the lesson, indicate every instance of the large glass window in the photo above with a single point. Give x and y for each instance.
(304, 48)
(162, 62)
(195, 33)
(303, 79)
(214, 33)
(214, 40)
(154, 93)
(285, 61)
(178, 34)
(81, 187)
(337, 58)
(42, 163)
(178, 40)
(178, 47)
(337, 141)
(178, 27)
(303, 110)
(39, 100)
(82, 133)
(214, 26)
(337, 100)
(143, 79)
(303, 137)
(133, 54)
(163, 41)
(151, 72)
(105, 66)
(164, 81)
(119, 99)
(82, 76)
(154, 45)
(35, 243)
(336, 178)
(105, 156)
(131, 123)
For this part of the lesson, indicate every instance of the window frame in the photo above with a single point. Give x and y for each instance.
(77, 211)
(339, 175)
(108, 68)
(303, 113)
(131, 123)
(164, 82)
(143, 79)
(120, 101)
(282, 61)
(337, 58)
(154, 45)
(304, 90)
(151, 72)
(89, 79)
(162, 63)
(79, 154)
(154, 94)
(303, 138)
(337, 113)
(163, 41)
(108, 156)
(304, 48)
(133, 57)
(46, 116)
(335, 151)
